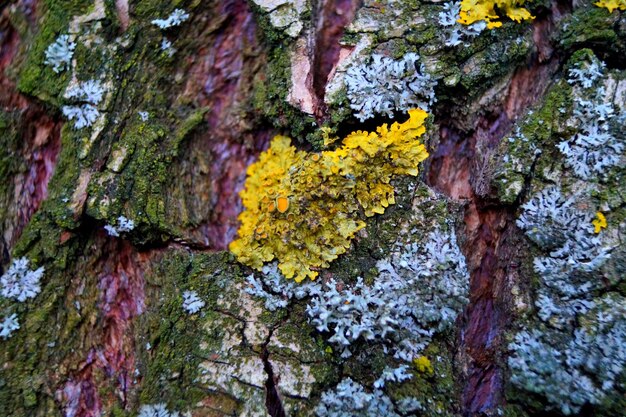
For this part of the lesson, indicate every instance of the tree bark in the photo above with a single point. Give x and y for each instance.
(108, 334)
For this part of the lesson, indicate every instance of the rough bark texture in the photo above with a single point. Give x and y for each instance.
(108, 334)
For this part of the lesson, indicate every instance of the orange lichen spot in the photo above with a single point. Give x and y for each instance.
(282, 204)
(473, 11)
(599, 222)
(331, 188)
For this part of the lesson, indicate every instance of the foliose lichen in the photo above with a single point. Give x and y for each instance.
(88, 94)
(420, 291)
(8, 325)
(123, 225)
(303, 209)
(59, 53)
(455, 31)
(574, 355)
(20, 282)
(384, 86)
(177, 17)
(192, 303)
(594, 149)
(582, 368)
(156, 410)
(611, 4)
(350, 399)
(473, 11)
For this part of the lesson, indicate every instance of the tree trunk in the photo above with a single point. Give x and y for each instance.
(187, 107)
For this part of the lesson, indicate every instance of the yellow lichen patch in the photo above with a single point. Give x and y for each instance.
(612, 4)
(423, 365)
(599, 222)
(473, 11)
(303, 209)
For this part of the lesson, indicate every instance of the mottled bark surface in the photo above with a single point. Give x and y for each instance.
(108, 333)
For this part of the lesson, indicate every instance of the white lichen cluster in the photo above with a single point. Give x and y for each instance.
(87, 94)
(594, 149)
(569, 363)
(351, 399)
(19, 283)
(420, 291)
(177, 17)
(8, 325)
(398, 374)
(383, 86)
(192, 303)
(277, 291)
(123, 225)
(59, 53)
(157, 410)
(455, 32)
(580, 369)
(554, 223)
(166, 46)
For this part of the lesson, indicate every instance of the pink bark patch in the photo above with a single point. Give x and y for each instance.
(121, 300)
(112, 352)
(39, 134)
(215, 80)
(334, 16)
(81, 397)
(43, 141)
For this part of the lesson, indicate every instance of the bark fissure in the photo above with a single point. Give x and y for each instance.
(461, 169)
(272, 397)
(332, 18)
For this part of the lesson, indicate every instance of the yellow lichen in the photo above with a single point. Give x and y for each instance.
(599, 222)
(303, 209)
(423, 365)
(473, 11)
(612, 4)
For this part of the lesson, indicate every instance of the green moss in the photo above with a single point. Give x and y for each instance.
(35, 77)
(541, 129)
(11, 162)
(438, 392)
(272, 37)
(269, 97)
(179, 342)
(590, 25)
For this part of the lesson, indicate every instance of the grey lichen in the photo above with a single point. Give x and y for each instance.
(20, 282)
(59, 53)
(350, 399)
(384, 86)
(87, 95)
(455, 31)
(8, 325)
(594, 149)
(177, 17)
(420, 290)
